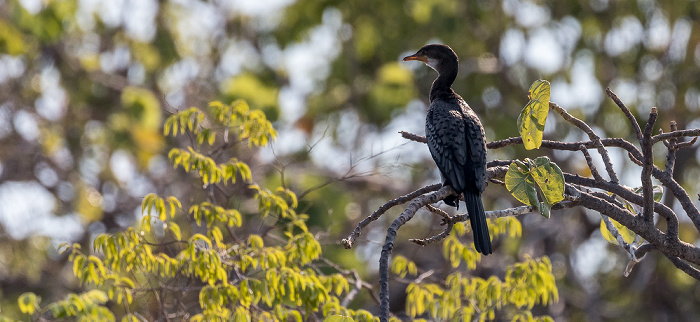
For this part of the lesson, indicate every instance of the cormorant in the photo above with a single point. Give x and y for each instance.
(456, 140)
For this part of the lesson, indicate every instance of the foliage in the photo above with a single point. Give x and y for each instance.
(235, 278)
(523, 178)
(469, 298)
(534, 115)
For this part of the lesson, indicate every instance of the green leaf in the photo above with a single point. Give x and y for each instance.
(544, 209)
(338, 318)
(28, 303)
(175, 229)
(519, 183)
(533, 117)
(549, 178)
(523, 179)
(626, 234)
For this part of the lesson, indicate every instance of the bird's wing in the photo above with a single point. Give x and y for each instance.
(445, 131)
(476, 144)
(456, 142)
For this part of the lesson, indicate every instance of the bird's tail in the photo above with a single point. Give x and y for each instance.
(477, 217)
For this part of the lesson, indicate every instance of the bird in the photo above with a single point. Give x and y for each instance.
(456, 140)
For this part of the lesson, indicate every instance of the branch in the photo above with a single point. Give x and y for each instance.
(671, 155)
(446, 232)
(407, 214)
(624, 193)
(626, 111)
(591, 135)
(589, 161)
(685, 267)
(348, 242)
(648, 164)
(676, 134)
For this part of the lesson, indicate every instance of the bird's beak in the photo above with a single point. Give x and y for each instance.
(416, 57)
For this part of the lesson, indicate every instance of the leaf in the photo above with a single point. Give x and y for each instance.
(549, 178)
(520, 185)
(534, 115)
(544, 209)
(626, 234)
(523, 178)
(175, 229)
(28, 303)
(338, 318)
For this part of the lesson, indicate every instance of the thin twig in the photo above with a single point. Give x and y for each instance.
(676, 134)
(589, 161)
(683, 145)
(629, 249)
(648, 164)
(671, 155)
(446, 232)
(683, 266)
(348, 242)
(591, 135)
(626, 111)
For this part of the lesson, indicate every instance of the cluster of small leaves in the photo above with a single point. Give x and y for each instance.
(88, 306)
(236, 279)
(456, 251)
(251, 125)
(207, 168)
(401, 266)
(281, 203)
(472, 298)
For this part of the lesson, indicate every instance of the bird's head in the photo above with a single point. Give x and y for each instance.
(436, 56)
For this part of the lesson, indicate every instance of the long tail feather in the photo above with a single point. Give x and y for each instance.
(477, 217)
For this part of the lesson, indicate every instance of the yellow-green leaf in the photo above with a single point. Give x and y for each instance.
(519, 183)
(338, 318)
(28, 303)
(533, 117)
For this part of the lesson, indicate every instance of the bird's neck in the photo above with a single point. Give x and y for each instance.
(443, 83)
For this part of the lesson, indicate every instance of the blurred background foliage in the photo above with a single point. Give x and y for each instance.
(85, 86)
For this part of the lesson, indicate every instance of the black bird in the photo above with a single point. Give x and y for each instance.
(456, 140)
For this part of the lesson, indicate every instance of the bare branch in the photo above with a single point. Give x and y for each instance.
(446, 232)
(680, 194)
(589, 161)
(685, 267)
(676, 134)
(671, 155)
(621, 241)
(591, 135)
(348, 242)
(683, 145)
(626, 111)
(647, 166)
(407, 214)
(413, 137)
